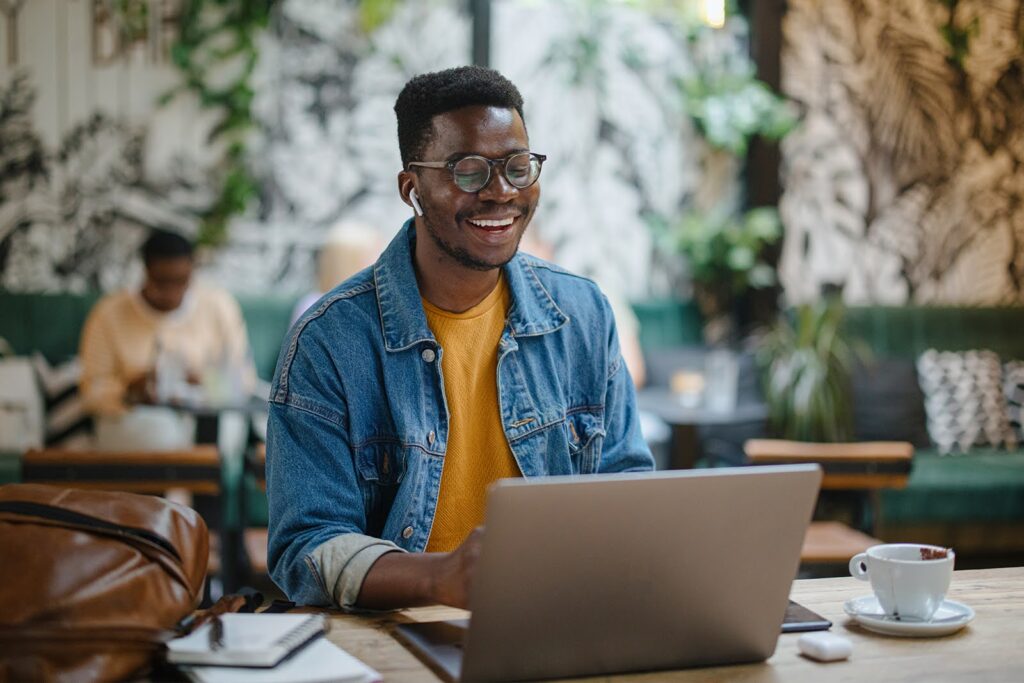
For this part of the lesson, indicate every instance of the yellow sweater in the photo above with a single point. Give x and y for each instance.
(119, 342)
(478, 452)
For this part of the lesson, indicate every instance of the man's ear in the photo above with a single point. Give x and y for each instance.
(406, 187)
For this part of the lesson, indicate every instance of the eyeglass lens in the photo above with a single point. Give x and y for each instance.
(473, 173)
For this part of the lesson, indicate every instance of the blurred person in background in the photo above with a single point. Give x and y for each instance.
(626, 322)
(171, 342)
(348, 248)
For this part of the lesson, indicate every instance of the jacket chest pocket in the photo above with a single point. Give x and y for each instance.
(381, 463)
(381, 467)
(584, 432)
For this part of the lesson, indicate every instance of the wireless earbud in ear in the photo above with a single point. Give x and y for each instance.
(415, 202)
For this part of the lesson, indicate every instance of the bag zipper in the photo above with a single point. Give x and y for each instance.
(90, 523)
(124, 635)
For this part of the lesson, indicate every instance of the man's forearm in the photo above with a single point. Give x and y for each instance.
(399, 580)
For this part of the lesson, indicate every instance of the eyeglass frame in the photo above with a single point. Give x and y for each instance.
(491, 163)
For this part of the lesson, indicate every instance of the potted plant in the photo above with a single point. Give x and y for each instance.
(806, 363)
(725, 255)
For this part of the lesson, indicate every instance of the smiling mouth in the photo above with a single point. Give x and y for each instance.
(492, 223)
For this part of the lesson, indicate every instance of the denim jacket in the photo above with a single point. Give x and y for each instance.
(359, 422)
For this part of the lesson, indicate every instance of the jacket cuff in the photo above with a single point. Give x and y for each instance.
(344, 561)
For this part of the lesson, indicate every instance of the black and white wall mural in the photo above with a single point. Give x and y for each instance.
(602, 84)
(90, 161)
(905, 182)
(72, 218)
(328, 149)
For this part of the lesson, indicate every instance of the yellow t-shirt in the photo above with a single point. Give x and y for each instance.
(478, 452)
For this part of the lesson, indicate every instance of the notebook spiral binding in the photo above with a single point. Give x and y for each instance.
(307, 630)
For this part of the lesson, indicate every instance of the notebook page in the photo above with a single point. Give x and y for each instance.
(248, 639)
(320, 662)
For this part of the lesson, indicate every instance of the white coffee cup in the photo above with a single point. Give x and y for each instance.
(910, 580)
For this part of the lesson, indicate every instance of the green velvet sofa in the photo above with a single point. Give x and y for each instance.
(975, 501)
(52, 324)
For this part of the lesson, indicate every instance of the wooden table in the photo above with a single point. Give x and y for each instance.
(685, 447)
(991, 648)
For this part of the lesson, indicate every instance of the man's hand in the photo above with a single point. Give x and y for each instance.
(454, 574)
(398, 580)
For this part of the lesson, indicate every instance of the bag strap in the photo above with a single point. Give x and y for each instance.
(86, 522)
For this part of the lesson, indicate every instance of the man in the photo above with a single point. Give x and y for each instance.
(451, 363)
(186, 329)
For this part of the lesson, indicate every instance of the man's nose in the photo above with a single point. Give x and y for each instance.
(498, 189)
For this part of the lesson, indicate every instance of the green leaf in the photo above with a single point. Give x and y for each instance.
(806, 361)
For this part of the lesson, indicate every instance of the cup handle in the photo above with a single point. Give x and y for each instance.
(858, 566)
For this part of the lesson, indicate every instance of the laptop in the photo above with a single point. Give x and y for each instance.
(621, 573)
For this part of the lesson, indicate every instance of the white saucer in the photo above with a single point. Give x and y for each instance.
(949, 618)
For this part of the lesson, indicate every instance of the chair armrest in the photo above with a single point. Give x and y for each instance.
(778, 450)
(861, 465)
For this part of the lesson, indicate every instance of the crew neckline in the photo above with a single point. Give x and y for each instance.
(482, 308)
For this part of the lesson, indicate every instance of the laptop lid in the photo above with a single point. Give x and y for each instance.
(634, 572)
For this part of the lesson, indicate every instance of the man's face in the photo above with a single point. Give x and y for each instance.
(452, 217)
(167, 281)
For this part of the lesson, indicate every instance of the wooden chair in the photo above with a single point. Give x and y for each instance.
(866, 467)
(195, 471)
(254, 539)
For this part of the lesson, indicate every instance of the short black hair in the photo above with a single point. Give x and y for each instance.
(163, 244)
(427, 95)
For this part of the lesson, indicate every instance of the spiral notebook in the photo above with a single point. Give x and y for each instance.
(320, 662)
(248, 640)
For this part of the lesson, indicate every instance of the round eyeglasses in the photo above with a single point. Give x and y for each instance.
(471, 173)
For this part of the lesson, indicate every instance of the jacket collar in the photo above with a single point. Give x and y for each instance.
(403, 321)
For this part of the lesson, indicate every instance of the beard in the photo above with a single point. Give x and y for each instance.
(461, 255)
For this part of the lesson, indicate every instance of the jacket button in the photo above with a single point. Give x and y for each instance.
(407, 532)
(431, 437)
(428, 355)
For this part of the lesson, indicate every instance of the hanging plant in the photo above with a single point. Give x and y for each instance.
(216, 51)
(732, 109)
(374, 13)
(134, 16)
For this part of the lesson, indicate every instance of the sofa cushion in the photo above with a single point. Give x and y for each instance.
(964, 399)
(985, 484)
(1013, 388)
(888, 404)
(67, 423)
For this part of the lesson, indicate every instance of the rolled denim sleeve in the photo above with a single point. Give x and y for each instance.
(318, 552)
(624, 448)
(318, 549)
(345, 560)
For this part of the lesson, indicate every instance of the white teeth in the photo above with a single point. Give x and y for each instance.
(493, 224)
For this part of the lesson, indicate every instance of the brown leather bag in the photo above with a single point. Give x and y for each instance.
(93, 582)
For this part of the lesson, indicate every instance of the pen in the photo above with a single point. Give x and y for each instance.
(216, 633)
